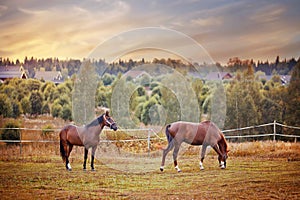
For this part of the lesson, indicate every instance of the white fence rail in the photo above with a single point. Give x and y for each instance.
(152, 135)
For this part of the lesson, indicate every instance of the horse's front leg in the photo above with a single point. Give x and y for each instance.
(203, 150)
(85, 158)
(93, 157)
(222, 163)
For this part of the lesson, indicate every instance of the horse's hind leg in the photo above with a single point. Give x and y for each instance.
(165, 152)
(175, 154)
(203, 150)
(68, 165)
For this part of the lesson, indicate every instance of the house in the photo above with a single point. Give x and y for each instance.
(213, 76)
(54, 76)
(285, 79)
(136, 74)
(10, 72)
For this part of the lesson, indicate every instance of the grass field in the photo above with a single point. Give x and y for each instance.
(261, 174)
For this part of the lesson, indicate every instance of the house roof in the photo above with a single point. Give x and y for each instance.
(9, 72)
(54, 76)
(285, 79)
(13, 68)
(135, 73)
(218, 76)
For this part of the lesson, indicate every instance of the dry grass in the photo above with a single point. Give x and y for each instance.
(255, 170)
(44, 177)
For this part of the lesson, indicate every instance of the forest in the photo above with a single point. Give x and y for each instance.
(250, 100)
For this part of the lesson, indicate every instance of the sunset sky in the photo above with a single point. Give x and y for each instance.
(65, 29)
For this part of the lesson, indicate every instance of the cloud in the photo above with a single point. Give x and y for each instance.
(205, 22)
(226, 29)
(268, 14)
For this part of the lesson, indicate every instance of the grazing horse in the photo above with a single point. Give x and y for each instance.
(205, 133)
(87, 136)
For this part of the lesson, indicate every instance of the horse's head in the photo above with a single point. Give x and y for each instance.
(109, 121)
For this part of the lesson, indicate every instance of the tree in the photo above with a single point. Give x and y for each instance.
(66, 113)
(36, 102)
(26, 106)
(6, 109)
(16, 109)
(46, 109)
(293, 98)
(56, 109)
(11, 131)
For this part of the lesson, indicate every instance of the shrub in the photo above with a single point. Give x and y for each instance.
(66, 112)
(9, 132)
(47, 130)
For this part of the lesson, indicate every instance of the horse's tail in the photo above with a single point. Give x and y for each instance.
(62, 135)
(168, 135)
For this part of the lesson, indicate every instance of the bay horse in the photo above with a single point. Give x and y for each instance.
(205, 133)
(87, 136)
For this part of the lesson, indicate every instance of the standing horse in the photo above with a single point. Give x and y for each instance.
(87, 136)
(205, 133)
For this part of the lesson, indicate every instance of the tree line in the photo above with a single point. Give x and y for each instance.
(249, 100)
(70, 67)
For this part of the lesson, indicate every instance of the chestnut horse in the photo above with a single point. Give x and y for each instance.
(87, 136)
(205, 133)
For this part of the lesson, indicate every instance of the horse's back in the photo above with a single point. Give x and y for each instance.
(71, 134)
(195, 133)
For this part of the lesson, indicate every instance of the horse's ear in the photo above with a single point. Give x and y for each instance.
(107, 113)
(227, 151)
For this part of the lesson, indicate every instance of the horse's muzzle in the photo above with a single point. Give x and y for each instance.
(113, 126)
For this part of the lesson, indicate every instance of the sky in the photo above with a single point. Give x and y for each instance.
(248, 29)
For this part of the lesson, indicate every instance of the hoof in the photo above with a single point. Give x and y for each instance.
(161, 168)
(177, 168)
(201, 168)
(93, 170)
(84, 169)
(69, 169)
(223, 167)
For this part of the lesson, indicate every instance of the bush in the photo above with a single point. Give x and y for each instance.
(47, 130)
(9, 133)
(66, 112)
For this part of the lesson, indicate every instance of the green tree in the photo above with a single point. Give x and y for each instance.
(107, 79)
(56, 110)
(46, 108)
(66, 112)
(11, 131)
(16, 109)
(6, 109)
(26, 106)
(36, 102)
(293, 98)
(243, 100)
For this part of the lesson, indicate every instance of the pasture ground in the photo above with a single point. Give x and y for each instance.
(262, 174)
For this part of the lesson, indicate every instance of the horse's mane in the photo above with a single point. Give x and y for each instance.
(96, 121)
(224, 141)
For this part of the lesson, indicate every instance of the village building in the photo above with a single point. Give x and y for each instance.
(53, 76)
(10, 72)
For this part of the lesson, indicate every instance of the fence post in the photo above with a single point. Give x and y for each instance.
(274, 131)
(20, 141)
(148, 140)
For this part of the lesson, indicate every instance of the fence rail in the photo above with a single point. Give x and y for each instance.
(152, 135)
